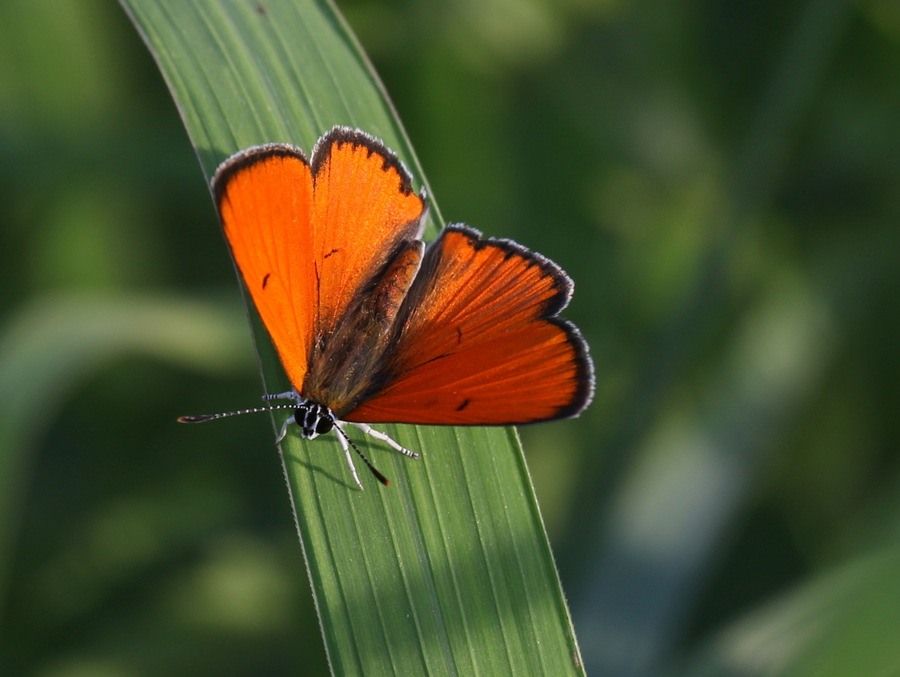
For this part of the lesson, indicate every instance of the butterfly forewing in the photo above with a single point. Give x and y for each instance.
(264, 197)
(364, 210)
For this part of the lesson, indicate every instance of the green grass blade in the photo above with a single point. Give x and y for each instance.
(448, 571)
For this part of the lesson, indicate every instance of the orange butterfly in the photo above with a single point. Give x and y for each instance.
(370, 324)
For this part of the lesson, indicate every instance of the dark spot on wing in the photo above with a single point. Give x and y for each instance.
(265, 280)
(333, 251)
(465, 403)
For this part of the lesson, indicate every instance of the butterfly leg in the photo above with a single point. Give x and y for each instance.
(346, 447)
(284, 428)
(369, 430)
(289, 395)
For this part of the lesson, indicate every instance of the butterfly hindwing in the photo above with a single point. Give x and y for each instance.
(478, 341)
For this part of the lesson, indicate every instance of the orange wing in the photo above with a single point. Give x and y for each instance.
(364, 212)
(309, 236)
(265, 201)
(479, 342)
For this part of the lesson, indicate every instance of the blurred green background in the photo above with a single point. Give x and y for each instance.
(719, 178)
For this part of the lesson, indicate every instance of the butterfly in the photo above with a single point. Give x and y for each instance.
(373, 326)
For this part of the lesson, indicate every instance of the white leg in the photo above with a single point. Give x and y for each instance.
(371, 432)
(290, 395)
(346, 447)
(284, 427)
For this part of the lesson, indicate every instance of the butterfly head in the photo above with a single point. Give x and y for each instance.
(313, 418)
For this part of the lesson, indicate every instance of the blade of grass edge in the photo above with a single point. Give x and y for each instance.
(449, 570)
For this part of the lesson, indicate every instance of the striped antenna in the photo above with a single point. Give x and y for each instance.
(212, 417)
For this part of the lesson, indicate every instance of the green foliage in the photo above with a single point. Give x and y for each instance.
(451, 571)
(719, 179)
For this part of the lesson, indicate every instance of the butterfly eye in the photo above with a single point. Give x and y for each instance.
(324, 424)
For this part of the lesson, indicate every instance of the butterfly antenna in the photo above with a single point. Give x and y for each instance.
(381, 478)
(212, 417)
